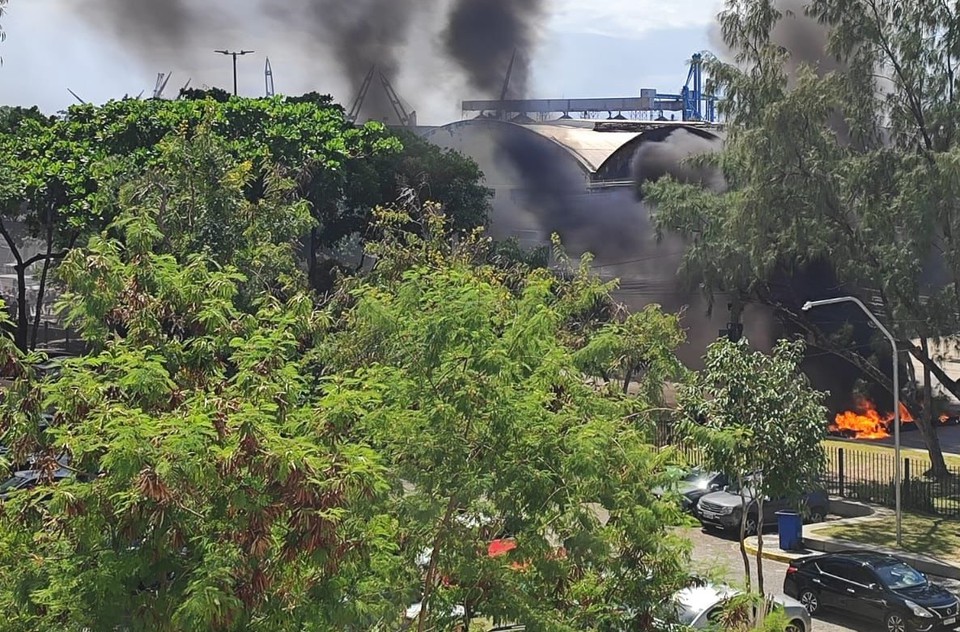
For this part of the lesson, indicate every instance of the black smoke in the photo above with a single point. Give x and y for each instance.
(482, 36)
(147, 27)
(614, 226)
(678, 152)
(478, 37)
(363, 35)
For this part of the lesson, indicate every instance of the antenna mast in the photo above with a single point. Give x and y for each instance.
(268, 78)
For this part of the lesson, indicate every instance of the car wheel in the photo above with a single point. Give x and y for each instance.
(750, 528)
(895, 622)
(816, 515)
(795, 626)
(810, 600)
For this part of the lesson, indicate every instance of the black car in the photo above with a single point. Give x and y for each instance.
(875, 586)
(28, 479)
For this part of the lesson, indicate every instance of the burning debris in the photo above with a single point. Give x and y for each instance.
(866, 422)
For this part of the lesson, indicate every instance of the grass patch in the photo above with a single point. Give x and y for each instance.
(929, 535)
(920, 456)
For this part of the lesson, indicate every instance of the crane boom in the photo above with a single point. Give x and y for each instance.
(354, 112)
(402, 115)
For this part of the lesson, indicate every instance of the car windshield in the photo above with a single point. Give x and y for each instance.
(747, 489)
(898, 576)
(694, 475)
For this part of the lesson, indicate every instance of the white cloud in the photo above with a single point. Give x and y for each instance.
(630, 19)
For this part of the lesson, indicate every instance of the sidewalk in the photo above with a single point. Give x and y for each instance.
(853, 513)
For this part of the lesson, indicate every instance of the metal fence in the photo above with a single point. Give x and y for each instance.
(868, 476)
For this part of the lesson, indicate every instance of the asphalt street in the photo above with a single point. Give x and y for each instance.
(719, 557)
(949, 439)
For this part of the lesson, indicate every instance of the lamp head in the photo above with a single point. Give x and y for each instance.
(806, 306)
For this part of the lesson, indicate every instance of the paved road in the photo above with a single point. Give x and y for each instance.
(720, 557)
(949, 439)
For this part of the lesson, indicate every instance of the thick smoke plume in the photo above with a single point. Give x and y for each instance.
(146, 26)
(483, 35)
(675, 152)
(363, 34)
(477, 38)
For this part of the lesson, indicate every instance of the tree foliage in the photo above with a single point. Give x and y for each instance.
(852, 170)
(56, 172)
(465, 384)
(247, 458)
(755, 415)
(210, 492)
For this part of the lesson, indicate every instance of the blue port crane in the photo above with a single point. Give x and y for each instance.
(695, 105)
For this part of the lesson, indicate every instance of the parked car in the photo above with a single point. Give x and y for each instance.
(722, 509)
(699, 607)
(874, 586)
(28, 479)
(693, 484)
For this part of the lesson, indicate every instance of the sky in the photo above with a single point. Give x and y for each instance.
(586, 49)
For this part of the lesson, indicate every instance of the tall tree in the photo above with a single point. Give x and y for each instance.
(58, 173)
(275, 464)
(210, 492)
(754, 414)
(852, 170)
(492, 431)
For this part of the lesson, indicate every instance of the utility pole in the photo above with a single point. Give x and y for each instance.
(234, 54)
(897, 476)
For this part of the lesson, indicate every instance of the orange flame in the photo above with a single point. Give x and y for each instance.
(866, 422)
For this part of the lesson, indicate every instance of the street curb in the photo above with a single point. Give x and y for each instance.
(769, 554)
(859, 512)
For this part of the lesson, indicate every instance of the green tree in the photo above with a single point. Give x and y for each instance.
(854, 169)
(45, 184)
(269, 464)
(639, 347)
(213, 488)
(56, 171)
(756, 416)
(491, 430)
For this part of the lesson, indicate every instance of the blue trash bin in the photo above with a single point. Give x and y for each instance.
(790, 526)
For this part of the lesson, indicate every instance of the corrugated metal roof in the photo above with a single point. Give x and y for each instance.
(591, 148)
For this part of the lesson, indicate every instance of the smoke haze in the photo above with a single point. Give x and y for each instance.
(475, 39)
(482, 36)
(147, 26)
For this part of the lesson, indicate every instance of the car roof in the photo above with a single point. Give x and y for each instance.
(703, 597)
(863, 557)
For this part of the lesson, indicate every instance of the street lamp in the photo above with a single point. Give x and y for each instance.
(234, 54)
(896, 393)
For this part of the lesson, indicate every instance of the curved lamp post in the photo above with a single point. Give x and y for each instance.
(896, 394)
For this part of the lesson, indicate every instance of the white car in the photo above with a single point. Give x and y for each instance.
(698, 607)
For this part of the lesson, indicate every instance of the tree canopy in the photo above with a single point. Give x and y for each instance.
(755, 415)
(58, 174)
(243, 455)
(846, 164)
